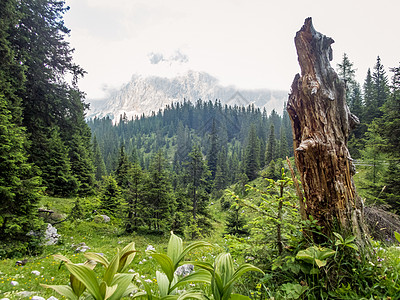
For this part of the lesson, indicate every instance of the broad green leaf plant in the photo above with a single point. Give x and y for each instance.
(224, 276)
(114, 285)
(167, 280)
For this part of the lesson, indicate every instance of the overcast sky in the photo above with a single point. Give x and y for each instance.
(246, 43)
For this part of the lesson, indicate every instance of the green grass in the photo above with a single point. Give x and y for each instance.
(101, 238)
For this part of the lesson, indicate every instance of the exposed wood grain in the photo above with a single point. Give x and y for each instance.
(321, 123)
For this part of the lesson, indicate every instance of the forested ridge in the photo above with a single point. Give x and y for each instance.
(194, 167)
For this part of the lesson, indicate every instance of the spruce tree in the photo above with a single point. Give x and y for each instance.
(122, 171)
(134, 197)
(50, 97)
(98, 161)
(369, 99)
(283, 144)
(380, 84)
(212, 155)
(347, 73)
(252, 164)
(389, 129)
(160, 201)
(19, 180)
(271, 152)
(56, 167)
(82, 164)
(197, 177)
(111, 197)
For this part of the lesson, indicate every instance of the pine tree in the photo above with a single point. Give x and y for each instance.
(389, 125)
(19, 183)
(347, 73)
(389, 129)
(197, 176)
(19, 180)
(235, 221)
(110, 197)
(369, 100)
(50, 99)
(160, 202)
(252, 164)
(82, 164)
(283, 145)
(271, 152)
(98, 161)
(212, 155)
(135, 197)
(56, 172)
(380, 84)
(122, 171)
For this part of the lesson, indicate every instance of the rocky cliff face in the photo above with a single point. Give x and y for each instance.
(143, 95)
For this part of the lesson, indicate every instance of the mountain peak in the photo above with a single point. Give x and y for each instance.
(143, 95)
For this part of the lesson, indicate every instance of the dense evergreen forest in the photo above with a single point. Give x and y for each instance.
(165, 171)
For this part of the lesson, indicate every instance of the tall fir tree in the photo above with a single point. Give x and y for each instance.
(98, 161)
(111, 197)
(56, 166)
(389, 129)
(160, 201)
(122, 171)
(19, 180)
(369, 99)
(212, 155)
(347, 73)
(135, 197)
(50, 98)
(197, 177)
(271, 151)
(252, 164)
(380, 84)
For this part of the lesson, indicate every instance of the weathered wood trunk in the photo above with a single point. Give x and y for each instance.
(321, 123)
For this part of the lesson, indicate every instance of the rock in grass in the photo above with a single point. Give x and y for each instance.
(25, 294)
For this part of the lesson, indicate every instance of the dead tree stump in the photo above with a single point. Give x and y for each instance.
(321, 123)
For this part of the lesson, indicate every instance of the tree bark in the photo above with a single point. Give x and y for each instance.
(321, 123)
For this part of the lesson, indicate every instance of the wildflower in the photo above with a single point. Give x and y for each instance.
(148, 280)
(131, 271)
(150, 248)
(14, 283)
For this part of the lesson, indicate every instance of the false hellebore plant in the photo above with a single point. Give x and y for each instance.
(114, 285)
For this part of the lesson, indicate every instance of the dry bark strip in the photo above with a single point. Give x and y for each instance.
(321, 123)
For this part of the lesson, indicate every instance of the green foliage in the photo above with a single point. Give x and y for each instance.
(169, 281)
(315, 256)
(110, 197)
(224, 276)
(275, 222)
(114, 285)
(19, 182)
(252, 157)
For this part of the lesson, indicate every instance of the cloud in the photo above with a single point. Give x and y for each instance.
(155, 58)
(177, 56)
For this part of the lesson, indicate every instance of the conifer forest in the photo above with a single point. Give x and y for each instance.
(199, 199)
